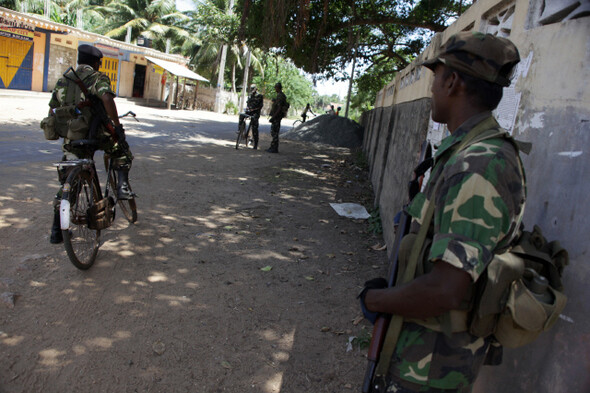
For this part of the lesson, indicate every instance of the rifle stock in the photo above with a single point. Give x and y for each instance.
(382, 323)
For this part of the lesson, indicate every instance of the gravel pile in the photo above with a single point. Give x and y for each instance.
(329, 129)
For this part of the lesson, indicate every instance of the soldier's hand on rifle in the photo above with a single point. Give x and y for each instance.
(375, 283)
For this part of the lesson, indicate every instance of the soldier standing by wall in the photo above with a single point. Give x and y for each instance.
(478, 194)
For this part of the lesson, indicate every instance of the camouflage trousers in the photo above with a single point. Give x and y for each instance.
(275, 127)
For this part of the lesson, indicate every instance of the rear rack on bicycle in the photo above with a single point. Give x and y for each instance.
(81, 161)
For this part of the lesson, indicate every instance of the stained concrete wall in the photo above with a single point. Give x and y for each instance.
(60, 59)
(548, 104)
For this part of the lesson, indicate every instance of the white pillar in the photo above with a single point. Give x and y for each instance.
(218, 107)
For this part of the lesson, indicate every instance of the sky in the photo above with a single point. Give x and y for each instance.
(184, 5)
(327, 88)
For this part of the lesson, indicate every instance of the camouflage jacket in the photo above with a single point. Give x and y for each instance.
(276, 111)
(478, 209)
(96, 82)
(255, 103)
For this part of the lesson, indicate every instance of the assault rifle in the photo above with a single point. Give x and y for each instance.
(382, 322)
(97, 109)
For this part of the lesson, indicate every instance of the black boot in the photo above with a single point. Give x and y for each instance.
(123, 191)
(255, 143)
(56, 236)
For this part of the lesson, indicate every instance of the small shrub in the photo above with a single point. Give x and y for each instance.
(375, 225)
(231, 108)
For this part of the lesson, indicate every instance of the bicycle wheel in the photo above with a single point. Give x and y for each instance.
(128, 206)
(241, 135)
(81, 190)
(296, 123)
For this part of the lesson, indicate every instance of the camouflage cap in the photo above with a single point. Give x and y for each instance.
(480, 55)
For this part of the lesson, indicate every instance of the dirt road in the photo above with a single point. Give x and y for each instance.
(237, 277)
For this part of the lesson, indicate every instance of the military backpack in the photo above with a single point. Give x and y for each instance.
(71, 120)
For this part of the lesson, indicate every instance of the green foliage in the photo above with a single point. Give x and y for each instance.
(156, 20)
(320, 35)
(375, 225)
(231, 108)
(359, 158)
(297, 88)
(363, 340)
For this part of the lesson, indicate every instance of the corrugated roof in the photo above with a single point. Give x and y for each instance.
(176, 69)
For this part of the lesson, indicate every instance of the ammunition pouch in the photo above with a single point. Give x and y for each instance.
(505, 306)
(68, 122)
(101, 214)
(500, 303)
(48, 126)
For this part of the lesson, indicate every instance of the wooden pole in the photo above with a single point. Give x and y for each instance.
(195, 96)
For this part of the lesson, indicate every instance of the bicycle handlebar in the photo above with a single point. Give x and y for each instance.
(129, 113)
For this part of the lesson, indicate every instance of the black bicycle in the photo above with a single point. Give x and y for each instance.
(297, 123)
(85, 209)
(243, 131)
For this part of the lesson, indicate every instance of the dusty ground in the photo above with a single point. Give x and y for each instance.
(183, 300)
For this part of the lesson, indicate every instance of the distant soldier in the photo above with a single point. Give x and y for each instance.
(277, 112)
(254, 105)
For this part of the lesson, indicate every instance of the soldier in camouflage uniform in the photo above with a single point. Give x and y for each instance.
(98, 84)
(276, 114)
(254, 106)
(479, 194)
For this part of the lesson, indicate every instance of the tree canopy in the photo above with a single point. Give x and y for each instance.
(321, 36)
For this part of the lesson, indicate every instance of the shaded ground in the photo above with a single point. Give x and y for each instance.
(237, 277)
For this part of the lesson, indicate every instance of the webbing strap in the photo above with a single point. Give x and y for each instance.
(395, 325)
(485, 130)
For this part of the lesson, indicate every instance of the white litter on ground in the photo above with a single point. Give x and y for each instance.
(351, 210)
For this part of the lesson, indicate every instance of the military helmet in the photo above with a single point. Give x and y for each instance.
(480, 55)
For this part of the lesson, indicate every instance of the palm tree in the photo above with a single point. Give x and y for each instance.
(156, 20)
(60, 11)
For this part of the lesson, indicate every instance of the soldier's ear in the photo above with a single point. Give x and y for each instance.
(454, 84)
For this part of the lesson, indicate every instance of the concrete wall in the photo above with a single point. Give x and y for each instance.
(127, 70)
(548, 104)
(62, 55)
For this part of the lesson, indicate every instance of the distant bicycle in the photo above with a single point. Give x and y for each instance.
(299, 122)
(243, 131)
(84, 209)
